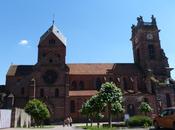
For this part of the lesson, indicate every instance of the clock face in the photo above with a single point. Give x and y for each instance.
(50, 76)
(149, 36)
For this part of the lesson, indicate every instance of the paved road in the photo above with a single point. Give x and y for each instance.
(72, 128)
(54, 128)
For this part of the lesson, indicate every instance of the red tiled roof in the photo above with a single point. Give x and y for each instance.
(84, 93)
(89, 69)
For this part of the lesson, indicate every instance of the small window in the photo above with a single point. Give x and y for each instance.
(52, 41)
(74, 85)
(44, 54)
(22, 91)
(138, 55)
(110, 79)
(59, 57)
(125, 83)
(168, 100)
(56, 92)
(72, 106)
(146, 100)
(81, 85)
(41, 92)
(50, 60)
(151, 50)
(98, 83)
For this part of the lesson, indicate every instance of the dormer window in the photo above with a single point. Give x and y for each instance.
(52, 41)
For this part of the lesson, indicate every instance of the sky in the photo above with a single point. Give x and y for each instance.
(97, 31)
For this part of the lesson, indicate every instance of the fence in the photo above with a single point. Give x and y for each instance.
(5, 118)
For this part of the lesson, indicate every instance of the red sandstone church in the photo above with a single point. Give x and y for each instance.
(65, 87)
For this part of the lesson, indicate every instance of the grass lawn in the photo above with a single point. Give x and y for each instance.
(96, 128)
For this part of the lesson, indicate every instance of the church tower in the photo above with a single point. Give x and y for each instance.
(52, 72)
(148, 54)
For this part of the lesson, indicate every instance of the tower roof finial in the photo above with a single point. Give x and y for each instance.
(53, 21)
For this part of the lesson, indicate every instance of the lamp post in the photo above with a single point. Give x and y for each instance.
(34, 87)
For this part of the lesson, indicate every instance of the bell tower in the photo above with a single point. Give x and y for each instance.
(147, 51)
(52, 72)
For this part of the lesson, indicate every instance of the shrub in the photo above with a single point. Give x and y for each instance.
(139, 121)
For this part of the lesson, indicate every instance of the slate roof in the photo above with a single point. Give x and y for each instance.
(83, 93)
(20, 70)
(53, 29)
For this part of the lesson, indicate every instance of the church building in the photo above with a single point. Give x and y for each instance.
(64, 87)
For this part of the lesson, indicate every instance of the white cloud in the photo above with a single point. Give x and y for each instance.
(24, 42)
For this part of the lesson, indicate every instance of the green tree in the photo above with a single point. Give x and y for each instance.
(38, 110)
(87, 111)
(145, 108)
(112, 96)
(97, 106)
(92, 108)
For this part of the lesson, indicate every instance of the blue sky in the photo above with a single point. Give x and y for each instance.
(97, 31)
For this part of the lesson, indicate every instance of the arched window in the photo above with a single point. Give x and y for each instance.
(72, 106)
(146, 100)
(81, 85)
(59, 57)
(98, 83)
(168, 100)
(74, 85)
(125, 83)
(56, 92)
(41, 92)
(52, 41)
(110, 79)
(151, 50)
(138, 55)
(22, 91)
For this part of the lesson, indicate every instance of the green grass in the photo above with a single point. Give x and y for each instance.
(96, 128)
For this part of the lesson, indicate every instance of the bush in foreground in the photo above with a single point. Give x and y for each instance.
(143, 121)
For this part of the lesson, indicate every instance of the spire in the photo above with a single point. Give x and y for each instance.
(53, 21)
(53, 29)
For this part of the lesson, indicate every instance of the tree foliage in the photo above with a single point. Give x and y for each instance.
(38, 110)
(92, 108)
(112, 97)
(145, 108)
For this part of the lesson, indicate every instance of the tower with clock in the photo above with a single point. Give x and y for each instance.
(147, 50)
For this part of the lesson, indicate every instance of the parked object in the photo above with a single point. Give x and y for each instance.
(165, 119)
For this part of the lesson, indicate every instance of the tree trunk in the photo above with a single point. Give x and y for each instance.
(109, 115)
(91, 122)
(87, 120)
(98, 123)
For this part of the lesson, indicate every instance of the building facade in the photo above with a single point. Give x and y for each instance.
(65, 87)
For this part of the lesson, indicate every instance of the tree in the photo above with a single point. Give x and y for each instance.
(87, 111)
(38, 110)
(92, 108)
(97, 106)
(145, 108)
(112, 96)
